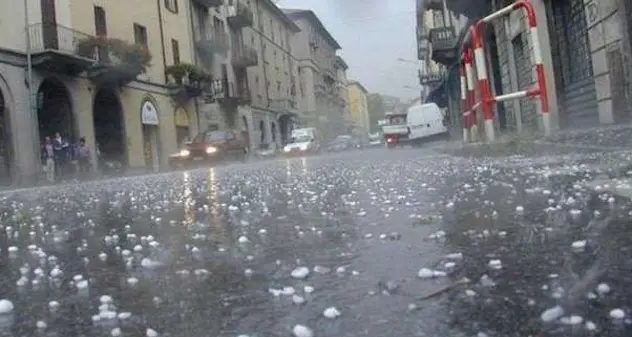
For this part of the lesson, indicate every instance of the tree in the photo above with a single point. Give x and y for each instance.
(376, 109)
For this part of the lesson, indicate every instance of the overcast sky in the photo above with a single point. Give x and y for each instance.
(373, 35)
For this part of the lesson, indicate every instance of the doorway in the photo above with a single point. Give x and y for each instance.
(262, 131)
(109, 131)
(5, 144)
(54, 112)
(150, 146)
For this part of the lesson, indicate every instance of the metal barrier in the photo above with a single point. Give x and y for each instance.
(487, 98)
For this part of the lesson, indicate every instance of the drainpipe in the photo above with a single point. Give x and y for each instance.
(263, 59)
(162, 41)
(29, 85)
(195, 60)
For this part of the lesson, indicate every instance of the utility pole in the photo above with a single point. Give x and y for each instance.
(32, 113)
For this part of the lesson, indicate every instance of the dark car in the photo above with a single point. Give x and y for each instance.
(211, 147)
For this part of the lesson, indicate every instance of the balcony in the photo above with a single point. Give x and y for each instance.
(430, 78)
(470, 8)
(285, 105)
(244, 57)
(54, 49)
(444, 45)
(187, 81)
(230, 93)
(208, 44)
(209, 3)
(240, 16)
(117, 61)
(434, 5)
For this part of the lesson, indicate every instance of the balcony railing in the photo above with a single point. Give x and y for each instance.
(244, 57)
(210, 3)
(209, 44)
(284, 105)
(55, 48)
(430, 78)
(444, 44)
(227, 92)
(240, 16)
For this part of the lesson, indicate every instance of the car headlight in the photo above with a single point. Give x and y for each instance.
(287, 149)
(185, 153)
(211, 149)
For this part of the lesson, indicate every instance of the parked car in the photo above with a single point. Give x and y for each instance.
(210, 147)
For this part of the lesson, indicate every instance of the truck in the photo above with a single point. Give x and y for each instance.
(418, 124)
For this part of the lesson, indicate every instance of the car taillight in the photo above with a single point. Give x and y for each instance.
(390, 140)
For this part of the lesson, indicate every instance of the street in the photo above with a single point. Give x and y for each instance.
(437, 241)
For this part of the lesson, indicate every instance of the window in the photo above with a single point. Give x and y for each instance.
(140, 35)
(172, 5)
(175, 49)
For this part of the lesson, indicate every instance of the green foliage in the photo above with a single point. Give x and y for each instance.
(194, 74)
(130, 55)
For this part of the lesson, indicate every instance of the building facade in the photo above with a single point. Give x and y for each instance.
(315, 50)
(97, 71)
(359, 108)
(586, 53)
(273, 80)
(343, 94)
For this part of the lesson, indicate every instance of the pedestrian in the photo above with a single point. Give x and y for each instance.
(49, 161)
(83, 157)
(60, 154)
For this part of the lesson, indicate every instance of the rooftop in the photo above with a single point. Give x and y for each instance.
(295, 14)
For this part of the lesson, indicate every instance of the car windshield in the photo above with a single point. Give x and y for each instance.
(210, 136)
(302, 139)
(397, 120)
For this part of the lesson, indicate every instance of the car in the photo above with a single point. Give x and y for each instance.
(210, 147)
(341, 143)
(304, 141)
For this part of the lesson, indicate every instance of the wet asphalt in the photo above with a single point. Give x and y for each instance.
(437, 241)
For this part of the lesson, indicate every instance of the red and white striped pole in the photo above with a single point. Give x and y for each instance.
(483, 82)
(464, 107)
(539, 67)
(471, 94)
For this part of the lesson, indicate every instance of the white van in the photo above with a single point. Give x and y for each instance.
(304, 140)
(420, 123)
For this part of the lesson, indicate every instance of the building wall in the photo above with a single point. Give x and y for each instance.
(273, 80)
(358, 107)
(317, 56)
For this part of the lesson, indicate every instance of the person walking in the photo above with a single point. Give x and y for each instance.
(60, 153)
(83, 157)
(49, 161)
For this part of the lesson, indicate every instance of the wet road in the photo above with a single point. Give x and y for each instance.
(413, 242)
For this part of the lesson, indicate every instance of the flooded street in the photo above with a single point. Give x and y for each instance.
(422, 242)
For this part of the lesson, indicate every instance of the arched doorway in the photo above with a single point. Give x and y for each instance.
(54, 111)
(109, 134)
(5, 144)
(151, 140)
(262, 131)
(284, 125)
